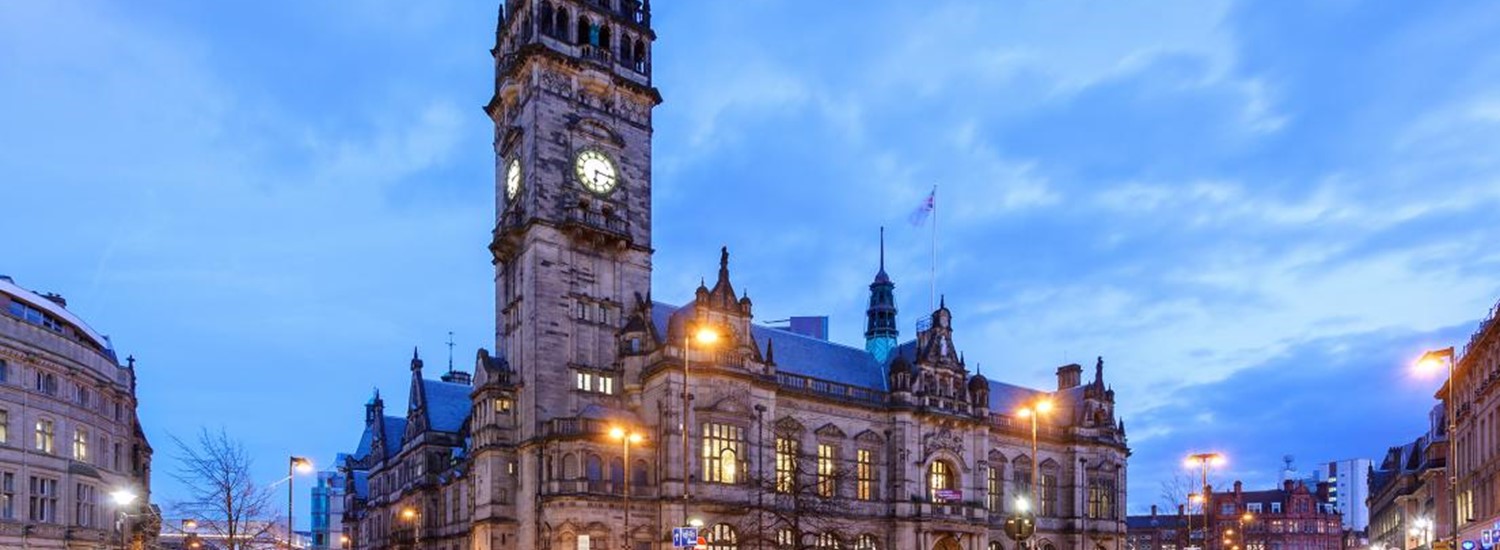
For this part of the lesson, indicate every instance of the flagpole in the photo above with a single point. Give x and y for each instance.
(932, 291)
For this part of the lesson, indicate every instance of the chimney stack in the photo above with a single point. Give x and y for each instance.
(1068, 376)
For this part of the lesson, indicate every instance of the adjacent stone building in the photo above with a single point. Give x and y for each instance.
(1477, 433)
(69, 436)
(1406, 490)
(768, 438)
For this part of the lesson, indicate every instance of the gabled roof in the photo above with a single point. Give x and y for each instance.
(447, 404)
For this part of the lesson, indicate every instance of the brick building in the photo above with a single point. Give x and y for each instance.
(771, 438)
(1292, 517)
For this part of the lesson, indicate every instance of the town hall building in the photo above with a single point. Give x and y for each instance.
(604, 419)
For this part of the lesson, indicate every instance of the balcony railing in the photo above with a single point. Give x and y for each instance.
(596, 487)
(824, 388)
(598, 221)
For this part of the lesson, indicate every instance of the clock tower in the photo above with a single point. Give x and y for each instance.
(572, 236)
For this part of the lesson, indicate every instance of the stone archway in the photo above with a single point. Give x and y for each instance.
(947, 542)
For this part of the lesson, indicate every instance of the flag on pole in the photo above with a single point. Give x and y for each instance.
(919, 216)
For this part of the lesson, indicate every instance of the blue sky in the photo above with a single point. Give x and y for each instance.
(1257, 213)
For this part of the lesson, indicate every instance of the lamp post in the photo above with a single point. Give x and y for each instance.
(1247, 517)
(294, 464)
(1040, 407)
(1203, 461)
(1431, 361)
(122, 498)
(627, 438)
(414, 515)
(1422, 531)
(705, 336)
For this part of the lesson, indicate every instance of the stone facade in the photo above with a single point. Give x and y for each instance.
(1407, 490)
(770, 438)
(1477, 422)
(69, 435)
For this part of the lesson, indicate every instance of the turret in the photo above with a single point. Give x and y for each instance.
(880, 316)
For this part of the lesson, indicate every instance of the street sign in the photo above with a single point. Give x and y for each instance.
(684, 537)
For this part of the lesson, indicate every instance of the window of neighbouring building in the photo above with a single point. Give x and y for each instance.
(84, 505)
(81, 445)
(43, 501)
(44, 439)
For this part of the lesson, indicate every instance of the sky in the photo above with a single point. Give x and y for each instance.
(1258, 214)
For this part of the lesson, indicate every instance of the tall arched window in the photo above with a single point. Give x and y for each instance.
(722, 537)
(546, 18)
(584, 36)
(939, 477)
(995, 545)
(617, 475)
(560, 24)
(570, 466)
(828, 540)
(784, 538)
(865, 542)
(604, 41)
(594, 470)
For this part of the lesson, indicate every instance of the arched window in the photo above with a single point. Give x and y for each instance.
(828, 540)
(594, 470)
(865, 542)
(617, 475)
(604, 38)
(570, 466)
(546, 18)
(939, 477)
(722, 537)
(784, 538)
(560, 24)
(584, 36)
(640, 474)
(995, 545)
(640, 55)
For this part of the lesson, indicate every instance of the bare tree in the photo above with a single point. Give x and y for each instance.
(800, 505)
(1175, 490)
(223, 497)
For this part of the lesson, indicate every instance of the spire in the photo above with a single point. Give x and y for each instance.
(770, 351)
(880, 316)
(416, 361)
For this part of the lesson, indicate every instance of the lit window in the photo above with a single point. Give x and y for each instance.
(827, 540)
(722, 537)
(1049, 494)
(939, 478)
(786, 464)
(606, 385)
(44, 436)
(865, 542)
(585, 381)
(825, 470)
(864, 473)
(784, 537)
(1102, 499)
(583, 542)
(723, 445)
(4, 426)
(502, 405)
(81, 445)
(996, 489)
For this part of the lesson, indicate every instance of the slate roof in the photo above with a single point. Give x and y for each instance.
(1159, 521)
(447, 404)
(395, 429)
(803, 355)
(1005, 398)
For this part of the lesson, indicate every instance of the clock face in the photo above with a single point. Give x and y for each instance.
(595, 171)
(512, 179)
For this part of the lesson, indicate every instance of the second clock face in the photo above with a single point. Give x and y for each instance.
(512, 179)
(595, 171)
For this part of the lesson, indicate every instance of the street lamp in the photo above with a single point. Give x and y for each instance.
(122, 498)
(1203, 461)
(627, 438)
(294, 465)
(707, 337)
(415, 516)
(1432, 361)
(1247, 517)
(1422, 531)
(1037, 408)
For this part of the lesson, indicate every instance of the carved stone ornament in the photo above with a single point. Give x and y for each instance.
(943, 439)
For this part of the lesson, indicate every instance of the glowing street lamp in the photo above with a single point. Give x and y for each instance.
(122, 498)
(414, 515)
(1432, 362)
(706, 336)
(1203, 461)
(1040, 407)
(626, 438)
(295, 464)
